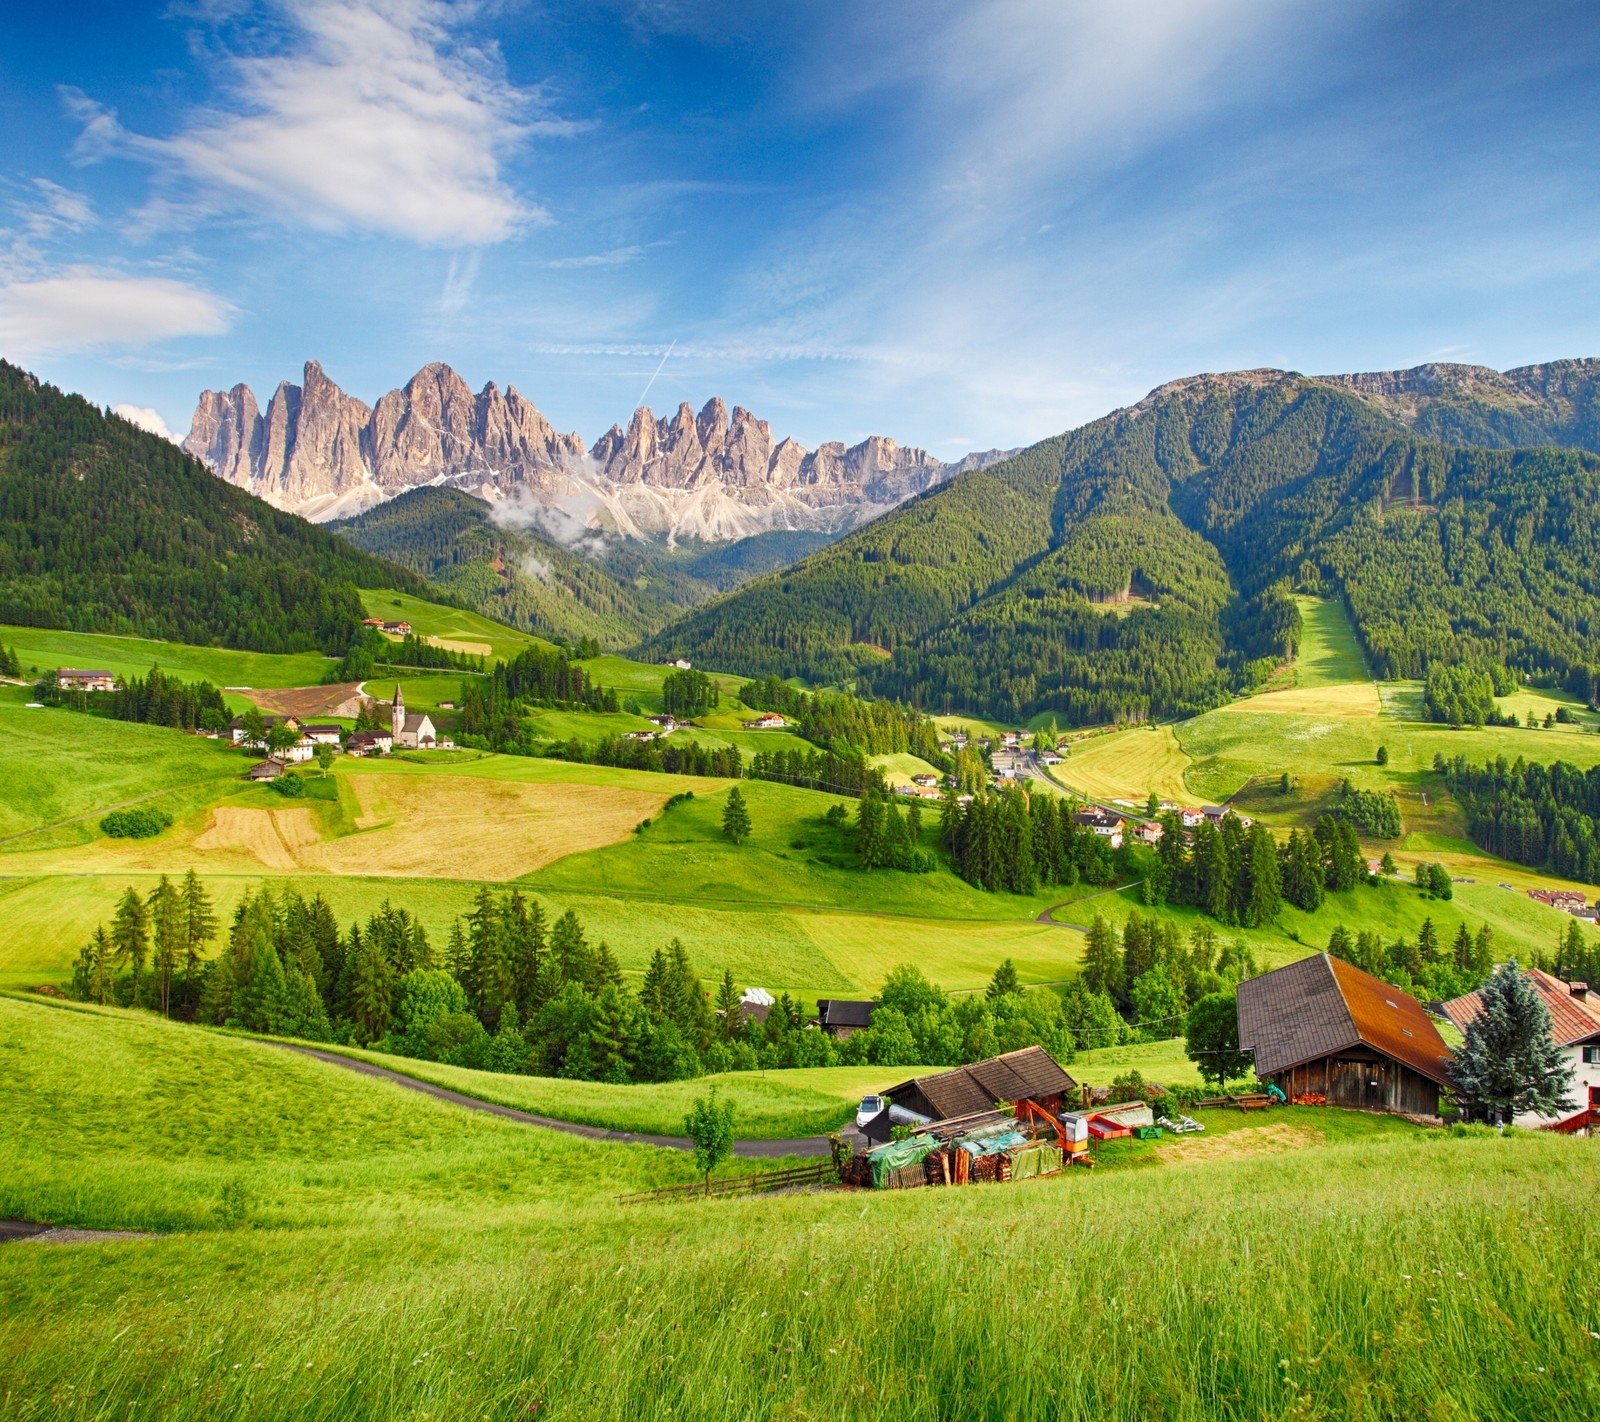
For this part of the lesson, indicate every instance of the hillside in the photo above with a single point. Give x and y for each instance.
(331, 1247)
(104, 528)
(1142, 564)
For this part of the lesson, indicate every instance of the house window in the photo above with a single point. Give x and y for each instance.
(1591, 1056)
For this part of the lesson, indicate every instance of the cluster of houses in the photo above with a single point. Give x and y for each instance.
(1567, 900)
(407, 730)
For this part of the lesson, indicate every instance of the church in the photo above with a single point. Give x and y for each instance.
(411, 732)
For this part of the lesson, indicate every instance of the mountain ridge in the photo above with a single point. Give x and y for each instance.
(715, 476)
(1218, 494)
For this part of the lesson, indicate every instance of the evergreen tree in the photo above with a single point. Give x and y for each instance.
(130, 937)
(731, 1018)
(1004, 981)
(736, 817)
(199, 929)
(92, 974)
(1509, 1065)
(167, 919)
(869, 830)
(260, 1004)
(1439, 884)
(1102, 961)
(371, 989)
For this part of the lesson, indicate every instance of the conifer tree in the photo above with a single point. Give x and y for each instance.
(1004, 981)
(92, 974)
(736, 817)
(1102, 962)
(1509, 1065)
(199, 929)
(731, 1018)
(130, 936)
(260, 1005)
(371, 990)
(167, 917)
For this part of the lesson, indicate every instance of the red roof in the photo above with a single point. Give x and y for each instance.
(1572, 1019)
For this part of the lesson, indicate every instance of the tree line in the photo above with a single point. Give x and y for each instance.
(155, 700)
(1546, 816)
(492, 706)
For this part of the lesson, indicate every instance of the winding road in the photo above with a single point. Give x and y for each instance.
(755, 1150)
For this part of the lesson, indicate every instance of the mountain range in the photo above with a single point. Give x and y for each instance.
(709, 477)
(1144, 564)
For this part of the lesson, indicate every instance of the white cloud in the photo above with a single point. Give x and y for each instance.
(616, 257)
(375, 115)
(146, 419)
(81, 310)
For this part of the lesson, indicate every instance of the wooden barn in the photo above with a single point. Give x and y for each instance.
(1322, 1027)
(1030, 1074)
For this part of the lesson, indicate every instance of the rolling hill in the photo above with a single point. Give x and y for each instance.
(105, 528)
(1143, 564)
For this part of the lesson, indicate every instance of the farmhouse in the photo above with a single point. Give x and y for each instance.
(1575, 1025)
(925, 780)
(240, 736)
(410, 732)
(75, 679)
(394, 629)
(681, 663)
(1567, 900)
(1149, 832)
(1108, 826)
(666, 724)
(323, 735)
(840, 1018)
(369, 743)
(1190, 817)
(1006, 764)
(767, 721)
(1030, 1074)
(1324, 1027)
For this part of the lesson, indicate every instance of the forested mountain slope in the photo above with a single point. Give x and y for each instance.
(1141, 564)
(106, 528)
(613, 591)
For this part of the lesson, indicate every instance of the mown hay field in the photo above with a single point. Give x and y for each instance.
(356, 1250)
(1127, 765)
(431, 620)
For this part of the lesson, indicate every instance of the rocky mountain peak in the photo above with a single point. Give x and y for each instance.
(712, 475)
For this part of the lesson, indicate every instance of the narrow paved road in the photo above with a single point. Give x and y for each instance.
(804, 1145)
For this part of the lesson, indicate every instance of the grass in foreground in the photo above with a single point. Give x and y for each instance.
(382, 1256)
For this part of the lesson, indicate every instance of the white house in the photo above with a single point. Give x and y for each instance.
(682, 663)
(413, 732)
(323, 735)
(77, 679)
(1575, 1022)
(1103, 823)
(767, 721)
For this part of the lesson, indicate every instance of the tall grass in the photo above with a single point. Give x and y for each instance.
(394, 1259)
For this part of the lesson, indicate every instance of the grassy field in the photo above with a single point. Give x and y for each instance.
(900, 769)
(449, 624)
(773, 1105)
(45, 650)
(1330, 654)
(1127, 765)
(347, 1249)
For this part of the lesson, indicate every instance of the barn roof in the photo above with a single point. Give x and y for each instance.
(1572, 1019)
(964, 1091)
(1321, 1005)
(841, 1012)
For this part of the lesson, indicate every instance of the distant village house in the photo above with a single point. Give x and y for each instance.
(73, 679)
(840, 1018)
(767, 721)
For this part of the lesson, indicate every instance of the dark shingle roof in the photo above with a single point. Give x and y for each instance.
(1322, 1005)
(839, 1012)
(1030, 1072)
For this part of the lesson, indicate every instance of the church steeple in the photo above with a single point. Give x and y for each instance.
(398, 721)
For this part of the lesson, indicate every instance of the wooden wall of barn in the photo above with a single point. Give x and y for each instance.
(1366, 1082)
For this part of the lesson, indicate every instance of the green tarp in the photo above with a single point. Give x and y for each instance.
(896, 1155)
(1040, 1158)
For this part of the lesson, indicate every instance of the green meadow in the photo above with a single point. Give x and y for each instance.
(45, 650)
(449, 624)
(326, 1246)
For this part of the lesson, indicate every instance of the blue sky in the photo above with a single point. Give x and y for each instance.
(962, 225)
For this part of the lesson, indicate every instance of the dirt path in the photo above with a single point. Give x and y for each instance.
(804, 1145)
(15, 1231)
(1048, 916)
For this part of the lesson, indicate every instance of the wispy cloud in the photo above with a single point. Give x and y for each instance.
(373, 115)
(84, 310)
(616, 257)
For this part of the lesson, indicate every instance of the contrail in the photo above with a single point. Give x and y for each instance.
(652, 380)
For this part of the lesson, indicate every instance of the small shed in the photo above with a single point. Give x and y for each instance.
(841, 1018)
(265, 770)
(1030, 1074)
(1324, 1026)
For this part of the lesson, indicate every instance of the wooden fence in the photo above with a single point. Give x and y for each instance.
(822, 1173)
